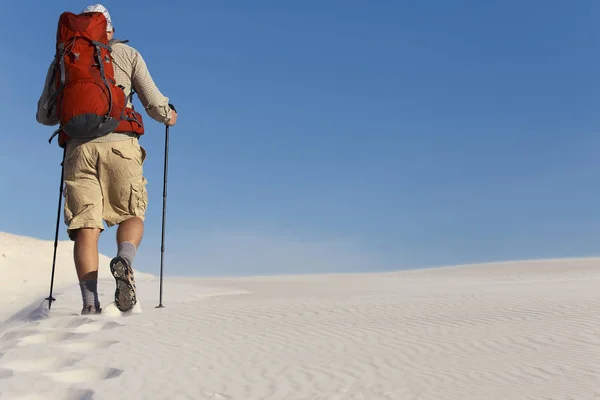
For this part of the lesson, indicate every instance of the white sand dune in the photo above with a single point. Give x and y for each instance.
(522, 330)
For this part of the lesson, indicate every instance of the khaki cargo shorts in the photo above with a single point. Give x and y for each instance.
(103, 181)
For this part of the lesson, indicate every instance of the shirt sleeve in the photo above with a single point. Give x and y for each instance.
(46, 113)
(154, 102)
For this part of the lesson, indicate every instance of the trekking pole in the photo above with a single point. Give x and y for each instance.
(164, 212)
(62, 175)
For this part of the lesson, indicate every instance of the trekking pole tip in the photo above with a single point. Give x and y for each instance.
(50, 300)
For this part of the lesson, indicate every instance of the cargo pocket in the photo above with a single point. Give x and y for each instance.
(67, 213)
(127, 153)
(138, 200)
(143, 154)
(76, 159)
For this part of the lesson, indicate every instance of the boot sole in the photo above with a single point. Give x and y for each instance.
(125, 297)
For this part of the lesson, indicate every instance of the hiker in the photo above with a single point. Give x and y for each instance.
(103, 161)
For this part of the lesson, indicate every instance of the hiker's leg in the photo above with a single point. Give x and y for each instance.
(124, 187)
(83, 216)
(125, 194)
(129, 237)
(85, 253)
(131, 230)
(125, 203)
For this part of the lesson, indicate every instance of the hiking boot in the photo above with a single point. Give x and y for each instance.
(125, 297)
(91, 310)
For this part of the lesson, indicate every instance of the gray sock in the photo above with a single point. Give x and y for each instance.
(127, 250)
(89, 293)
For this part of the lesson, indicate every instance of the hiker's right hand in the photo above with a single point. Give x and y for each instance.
(173, 119)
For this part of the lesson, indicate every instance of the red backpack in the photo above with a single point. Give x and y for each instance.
(88, 102)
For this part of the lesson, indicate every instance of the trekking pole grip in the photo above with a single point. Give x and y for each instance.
(172, 107)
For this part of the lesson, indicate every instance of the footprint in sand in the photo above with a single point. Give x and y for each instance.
(48, 337)
(41, 364)
(97, 326)
(84, 346)
(78, 325)
(48, 333)
(64, 323)
(67, 334)
(83, 375)
(57, 394)
(16, 335)
(5, 373)
(64, 333)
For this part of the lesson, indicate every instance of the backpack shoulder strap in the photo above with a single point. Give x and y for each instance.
(113, 41)
(133, 91)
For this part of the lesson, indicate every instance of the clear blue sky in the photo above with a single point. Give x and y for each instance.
(327, 136)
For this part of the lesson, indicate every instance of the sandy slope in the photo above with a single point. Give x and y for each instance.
(528, 330)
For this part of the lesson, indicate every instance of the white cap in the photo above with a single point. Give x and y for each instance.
(100, 8)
